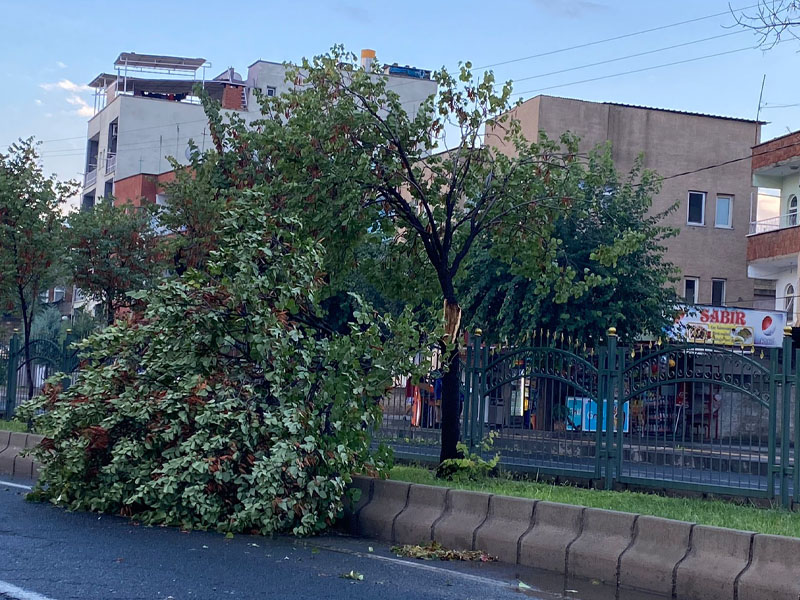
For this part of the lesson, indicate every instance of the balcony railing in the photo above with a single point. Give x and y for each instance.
(91, 176)
(775, 223)
(111, 163)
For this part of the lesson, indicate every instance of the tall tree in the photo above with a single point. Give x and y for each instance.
(344, 153)
(773, 21)
(637, 288)
(113, 250)
(30, 233)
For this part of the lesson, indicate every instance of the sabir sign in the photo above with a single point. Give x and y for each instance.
(730, 326)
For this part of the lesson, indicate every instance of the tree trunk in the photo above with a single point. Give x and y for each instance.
(26, 332)
(451, 401)
(110, 309)
(451, 381)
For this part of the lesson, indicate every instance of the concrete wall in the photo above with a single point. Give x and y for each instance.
(671, 142)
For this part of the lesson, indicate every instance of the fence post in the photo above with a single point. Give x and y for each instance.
(796, 495)
(11, 384)
(475, 378)
(608, 405)
(787, 379)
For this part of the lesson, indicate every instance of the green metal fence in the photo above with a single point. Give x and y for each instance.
(22, 374)
(684, 416)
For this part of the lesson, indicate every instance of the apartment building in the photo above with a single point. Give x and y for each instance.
(773, 244)
(693, 152)
(146, 113)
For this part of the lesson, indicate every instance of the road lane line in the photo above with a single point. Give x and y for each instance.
(17, 593)
(15, 485)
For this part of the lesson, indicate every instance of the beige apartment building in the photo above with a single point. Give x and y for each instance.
(715, 196)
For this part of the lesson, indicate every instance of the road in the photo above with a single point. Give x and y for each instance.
(49, 554)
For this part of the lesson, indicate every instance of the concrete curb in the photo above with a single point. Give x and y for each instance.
(773, 571)
(649, 554)
(606, 534)
(12, 444)
(351, 509)
(658, 546)
(464, 513)
(509, 519)
(426, 505)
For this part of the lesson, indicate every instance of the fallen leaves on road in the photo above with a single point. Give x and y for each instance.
(435, 551)
(354, 575)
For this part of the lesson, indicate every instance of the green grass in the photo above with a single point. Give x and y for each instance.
(13, 426)
(718, 513)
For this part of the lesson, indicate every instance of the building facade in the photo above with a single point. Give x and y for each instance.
(773, 244)
(693, 152)
(147, 115)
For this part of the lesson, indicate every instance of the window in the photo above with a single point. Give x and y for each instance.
(691, 285)
(718, 292)
(270, 91)
(58, 293)
(788, 302)
(791, 213)
(697, 208)
(44, 297)
(724, 215)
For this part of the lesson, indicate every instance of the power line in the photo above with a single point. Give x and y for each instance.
(728, 162)
(619, 58)
(661, 66)
(615, 38)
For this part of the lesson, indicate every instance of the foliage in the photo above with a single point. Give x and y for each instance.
(360, 171)
(113, 250)
(227, 403)
(435, 551)
(47, 325)
(470, 466)
(631, 287)
(30, 233)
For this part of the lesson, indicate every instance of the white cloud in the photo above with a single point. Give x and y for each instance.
(38, 102)
(48, 115)
(84, 110)
(65, 84)
(61, 65)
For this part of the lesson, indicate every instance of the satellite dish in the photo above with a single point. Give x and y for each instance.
(188, 153)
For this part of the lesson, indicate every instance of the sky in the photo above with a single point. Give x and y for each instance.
(52, 49)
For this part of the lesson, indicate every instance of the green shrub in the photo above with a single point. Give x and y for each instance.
(472, 466)
(225, 402)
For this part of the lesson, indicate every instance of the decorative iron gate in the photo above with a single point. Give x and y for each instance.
(688, 416)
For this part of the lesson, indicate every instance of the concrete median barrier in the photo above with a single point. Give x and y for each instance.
(710, 569)
(508, 520)
(658, 546)
(376, 519)
(9, 456)
(25, 466)
(555, 527)
(773, 572)
(426, 504)
(464, 513)
(606, 534)
(352, 508)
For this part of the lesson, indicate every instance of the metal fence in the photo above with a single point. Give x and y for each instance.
(696, 416)
(23, 373)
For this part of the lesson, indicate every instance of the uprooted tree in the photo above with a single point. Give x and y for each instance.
(422, 189)
(224, 401)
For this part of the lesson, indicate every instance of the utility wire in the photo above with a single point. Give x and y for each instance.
(615, 38)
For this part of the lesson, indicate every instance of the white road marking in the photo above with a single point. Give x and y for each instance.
(15, 485)
(17, 593)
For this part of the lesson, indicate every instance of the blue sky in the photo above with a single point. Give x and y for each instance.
(51, 49)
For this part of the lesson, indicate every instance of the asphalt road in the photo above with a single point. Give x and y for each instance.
(49, 554)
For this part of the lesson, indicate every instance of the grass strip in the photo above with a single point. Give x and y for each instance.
(15, 426)
(718, 513)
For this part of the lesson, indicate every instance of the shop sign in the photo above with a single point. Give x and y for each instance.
(730, 326)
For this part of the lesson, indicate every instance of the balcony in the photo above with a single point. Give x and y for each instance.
(111, 163)
(91, 176)
(774, 223)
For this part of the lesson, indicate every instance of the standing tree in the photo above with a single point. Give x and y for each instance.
(638, 284)
(772, 21)
(30, 234)
(346, 156)
(113, 250)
